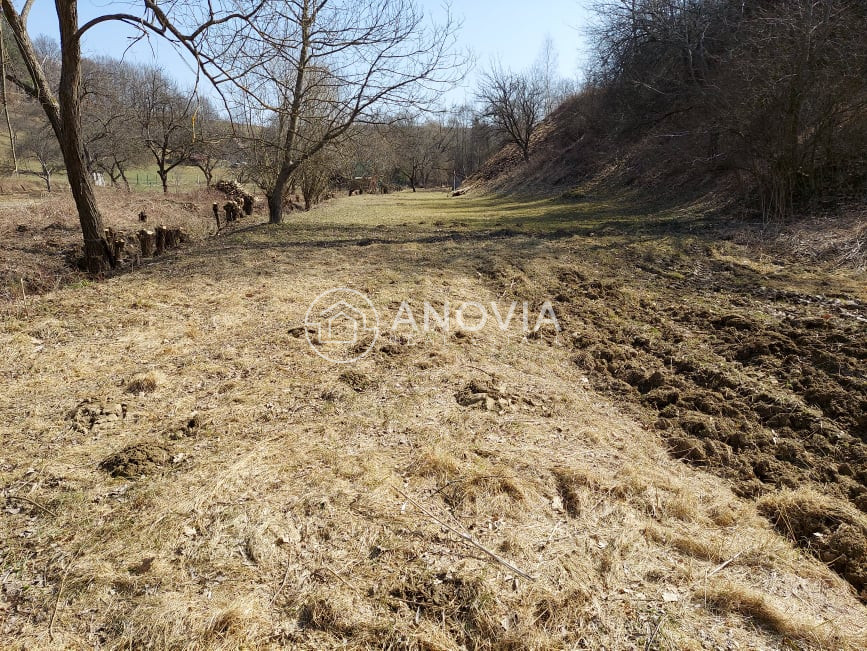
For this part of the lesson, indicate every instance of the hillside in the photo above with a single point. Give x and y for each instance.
(180, 470)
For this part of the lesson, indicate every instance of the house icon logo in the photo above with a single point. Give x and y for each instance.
(342, 325)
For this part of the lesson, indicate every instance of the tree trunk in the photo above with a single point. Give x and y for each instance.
(66, 123)
(275, 204)
(164, 178)
(208, 173)
(5, 100)
(123, 176)
(96, 252)
(275, 198)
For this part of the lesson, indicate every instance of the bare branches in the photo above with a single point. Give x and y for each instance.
(515, 105)
(25, 11)
(306, 71)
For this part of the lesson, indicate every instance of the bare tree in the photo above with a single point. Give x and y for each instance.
(165, 115)
(311, 69)
(4, 96)
(419, 150)
(546, 70)
(112, 142)
(472, 142)
(514, 104)
(38, 142)
(62, 103)
(211, 137)
(314, 176)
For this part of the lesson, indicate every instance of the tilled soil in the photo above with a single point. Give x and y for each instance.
(762, 385)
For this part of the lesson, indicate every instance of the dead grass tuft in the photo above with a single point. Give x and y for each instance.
(572, 487)
(829, 528)
(238, 623)
(479, 487)
(146, 382)
(331, 613)
(729, 597)
(706, 548)
(436, 463)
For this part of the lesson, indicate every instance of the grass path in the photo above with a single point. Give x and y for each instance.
(281, 500)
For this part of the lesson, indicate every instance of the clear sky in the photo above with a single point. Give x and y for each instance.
(511, 31)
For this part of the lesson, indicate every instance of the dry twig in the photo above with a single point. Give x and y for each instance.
(33, 503)
(466, 537)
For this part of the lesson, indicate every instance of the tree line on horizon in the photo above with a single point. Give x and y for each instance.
(770, 95)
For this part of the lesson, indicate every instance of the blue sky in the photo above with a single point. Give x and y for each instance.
(511, 31)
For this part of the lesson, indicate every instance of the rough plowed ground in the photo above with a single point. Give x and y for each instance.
(179, 470)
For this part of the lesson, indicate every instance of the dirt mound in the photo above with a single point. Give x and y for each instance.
(92, 414)
(464, 608)
(491, 395)
(137, 460)
(357, 380)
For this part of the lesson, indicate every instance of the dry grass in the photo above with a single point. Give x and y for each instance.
(145, 382)
(729, 597)
(41, 236)
(277, 516)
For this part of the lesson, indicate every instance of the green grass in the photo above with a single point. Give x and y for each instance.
(142, 178)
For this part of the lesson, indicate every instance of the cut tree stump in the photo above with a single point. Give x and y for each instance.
(147, 243)
(160, 240)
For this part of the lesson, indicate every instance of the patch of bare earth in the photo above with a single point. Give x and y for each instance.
(179, 470)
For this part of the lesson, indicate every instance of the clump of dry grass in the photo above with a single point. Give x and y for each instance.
(146, 382)
(729, 597)
(478, 487)
(436, 463)
(828, 527)
(572, 488)
(705, 548)
(330, 613)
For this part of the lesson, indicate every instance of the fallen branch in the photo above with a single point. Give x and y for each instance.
(57, 600)
(31, 502)
(467, 538)
(722, 566)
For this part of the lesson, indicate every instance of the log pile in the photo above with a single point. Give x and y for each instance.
(240, 201)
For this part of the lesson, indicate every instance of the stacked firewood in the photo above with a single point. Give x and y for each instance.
(240, 202)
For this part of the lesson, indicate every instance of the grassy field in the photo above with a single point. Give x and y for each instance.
(182, 179)
(682, 466)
